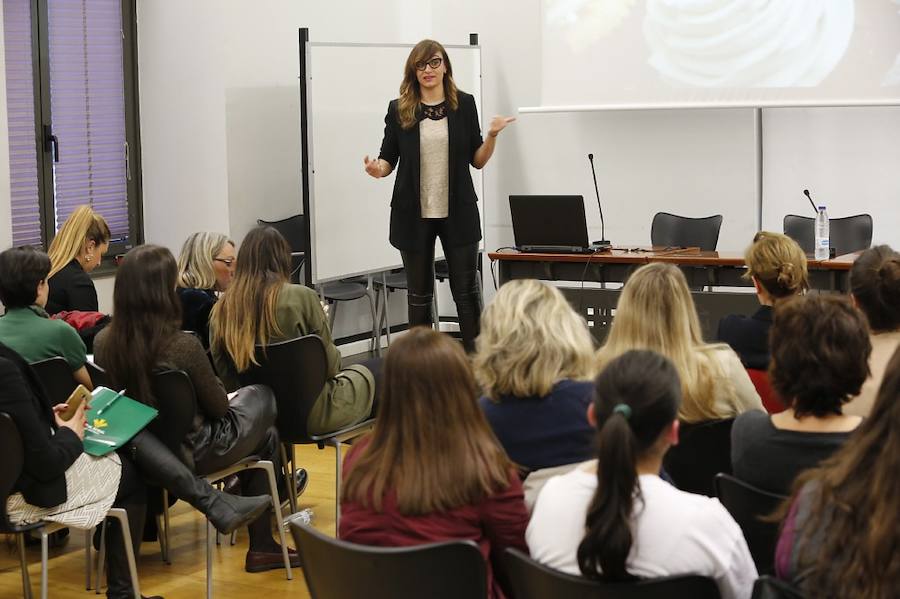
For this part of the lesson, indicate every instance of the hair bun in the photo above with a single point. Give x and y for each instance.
(786, 276)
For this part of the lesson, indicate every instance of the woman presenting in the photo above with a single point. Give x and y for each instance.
(433, 131)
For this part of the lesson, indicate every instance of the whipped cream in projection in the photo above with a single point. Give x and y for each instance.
(747, 43)
(586, 21)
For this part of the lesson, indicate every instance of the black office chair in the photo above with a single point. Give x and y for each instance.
(296, 371)
(769, 587)
(55, 375)
(846, 235)
(98, 375)
(703, 451)
(671, 230)
(747, 505)
(337, 569)
(532, 580)
(293, 229)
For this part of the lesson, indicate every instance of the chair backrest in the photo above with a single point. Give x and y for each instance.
(532, 580)
(846, 235)
(681, 231)
(56, 376)
(98, 375)
(335, 569)
(703, 450)
(770, 399)
(177, 404)
(11, 467)
(296, 371)
(769, 587)
(747, 505)
(293, 229)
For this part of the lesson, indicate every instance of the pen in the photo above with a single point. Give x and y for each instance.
(104, 442)
(111, 402)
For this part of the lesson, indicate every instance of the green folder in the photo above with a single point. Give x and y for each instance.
(112, 420)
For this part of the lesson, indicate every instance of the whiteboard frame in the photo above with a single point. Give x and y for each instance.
(307, 126)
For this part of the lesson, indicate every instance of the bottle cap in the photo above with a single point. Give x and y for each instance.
(821, 207)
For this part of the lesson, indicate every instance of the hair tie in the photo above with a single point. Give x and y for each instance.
(623, 409)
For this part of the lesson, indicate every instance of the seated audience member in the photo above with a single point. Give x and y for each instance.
(283, 311)
(76, 251)
(875, 288)
(26, 327)
(777, 267)
(613, 518)
(656, 312)
(61, 483)
(841, 537)
(205, 268)
(820, 349)
(146, 308)
(431, 470)
(534, 361)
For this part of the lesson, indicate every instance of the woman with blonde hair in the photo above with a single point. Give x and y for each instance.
(431, 136)
(76, 251)
(777, 266)
(432, 470)
(263, 307)
(656, 312)
(534, 361)
(205, 268)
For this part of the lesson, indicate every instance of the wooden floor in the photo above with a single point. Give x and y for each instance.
(186, 577)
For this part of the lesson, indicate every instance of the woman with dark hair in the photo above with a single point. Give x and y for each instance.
(820, 351)
(614, 519)
(433, 130)
(875, 289)
(263, 307)
(432, 470)
(841, 538)
(144, 337)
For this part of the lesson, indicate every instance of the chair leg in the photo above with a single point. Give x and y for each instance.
(167, 558)
(269, 468)
(23, 564)
(44, 563)
(332, 314)
(289, 476)
(210, 540)
(101, 559)
(122, 516)
(435, 314)
(88, 563)
(376, 323)
(337, 488)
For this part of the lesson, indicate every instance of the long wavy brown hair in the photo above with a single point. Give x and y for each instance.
(850, 544)
(432, 445)
(411, 95)
(246, 314)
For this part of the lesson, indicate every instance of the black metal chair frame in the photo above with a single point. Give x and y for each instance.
(841, 231)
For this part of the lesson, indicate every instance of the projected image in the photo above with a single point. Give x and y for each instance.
(747, 43)
(586, 21)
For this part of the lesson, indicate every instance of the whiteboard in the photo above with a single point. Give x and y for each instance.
(349, 87)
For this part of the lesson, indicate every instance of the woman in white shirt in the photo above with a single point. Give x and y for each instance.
(613, 518)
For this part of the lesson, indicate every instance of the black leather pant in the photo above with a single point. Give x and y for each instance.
(462, 262)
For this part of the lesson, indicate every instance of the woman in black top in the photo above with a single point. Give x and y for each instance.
(432, 129)
(76, 251)
(205, 268)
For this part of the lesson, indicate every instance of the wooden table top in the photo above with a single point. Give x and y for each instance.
(645, 255)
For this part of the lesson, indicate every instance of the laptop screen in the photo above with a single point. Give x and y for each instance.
(548, 220)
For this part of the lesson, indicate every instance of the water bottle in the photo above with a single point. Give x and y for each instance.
(822, 233)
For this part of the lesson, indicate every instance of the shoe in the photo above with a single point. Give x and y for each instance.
(261, 561)
(227, 512)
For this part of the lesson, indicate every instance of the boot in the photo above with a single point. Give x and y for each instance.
(117, 575)
(226, 512)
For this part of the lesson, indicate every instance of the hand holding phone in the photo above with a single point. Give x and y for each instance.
(78, 396)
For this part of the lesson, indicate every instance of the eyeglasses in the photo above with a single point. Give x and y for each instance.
(226, 261)
(434, 63)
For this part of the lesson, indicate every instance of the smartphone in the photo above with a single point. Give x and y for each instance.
(79, 395)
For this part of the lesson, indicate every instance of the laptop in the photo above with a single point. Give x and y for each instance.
(546, 224)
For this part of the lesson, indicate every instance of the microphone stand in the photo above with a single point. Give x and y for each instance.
(603, 243)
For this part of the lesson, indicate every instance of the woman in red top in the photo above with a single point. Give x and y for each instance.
(432, 470)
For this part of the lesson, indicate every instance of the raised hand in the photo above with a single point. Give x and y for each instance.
(499, 123)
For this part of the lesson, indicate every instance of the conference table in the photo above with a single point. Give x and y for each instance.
(707, 273)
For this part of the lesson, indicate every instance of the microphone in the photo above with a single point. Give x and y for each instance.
(603, 241)
(813, 204)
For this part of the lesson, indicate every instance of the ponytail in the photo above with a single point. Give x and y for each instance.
(636, 397)
(875, 284)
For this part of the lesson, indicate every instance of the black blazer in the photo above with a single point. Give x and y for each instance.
(748, 336)
(49, 451)
(464, 133)
(72, 289)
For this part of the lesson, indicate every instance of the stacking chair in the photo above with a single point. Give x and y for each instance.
(748, 505)
(177, 403)
(293, 229)
(532, 580)
(337, 569)
(13, 453)
(671, 230)
(296, 370)
(703, 450)
(396, 281)
(769, 587)
(55, 375)
(846, 235)
(98, 375)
